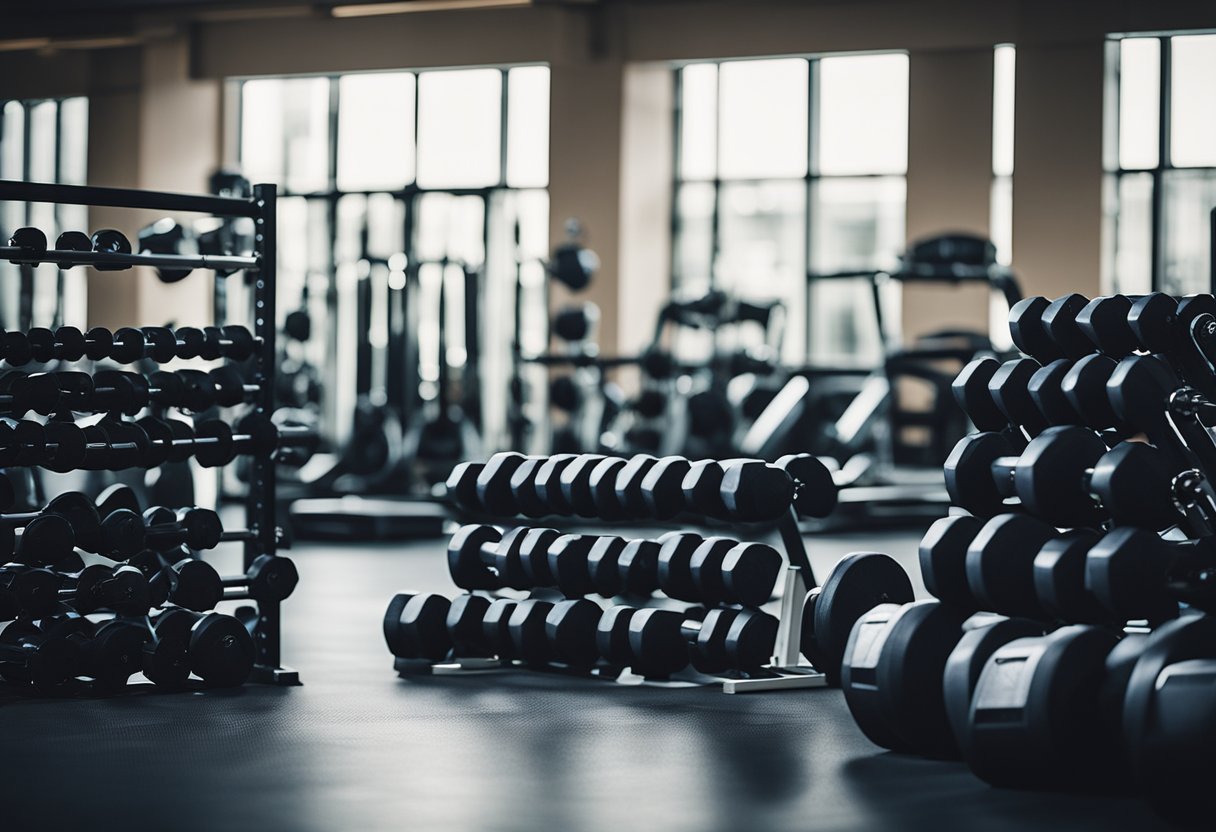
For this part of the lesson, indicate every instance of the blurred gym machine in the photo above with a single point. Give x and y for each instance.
(891, 428)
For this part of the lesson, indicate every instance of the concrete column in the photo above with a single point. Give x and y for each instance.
(949, 175)
(1057, 174)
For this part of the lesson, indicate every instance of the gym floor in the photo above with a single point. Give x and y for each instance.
(357, 748)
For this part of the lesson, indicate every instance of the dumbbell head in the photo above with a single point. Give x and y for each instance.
(858, 582)
(637, 568)
(568, 564)
(1027, 330)
(1000, 564)
(221, 650)
(1134, 482)
(415, 626)
(1046, 388)
(1084, 386)
(629, 484)
(547, 483)
(657, 644)
(755, 491)
(1060, 321)
(675, 565)
(575, 483)
(602, 482)
(749, 573)
(970, 389)
(612, 635)
(943, 558)
(461, 485)
(815, 492)
(892, 673)
(526, 629)
(524, 490)
(46, 540)
(705, 567)
(494, 484)
(1154, 318)
(1104, 321)
(1050, 477)
(969, 476)
(1128, 571)
(494, 627)
(534, 547)
(662, 487)
(603, 554)
(1059, 579)
(465, 559)
(465, 626)
(570, 628)
(115, 497)
(749, 640)
(1010, 390)
(272, 578)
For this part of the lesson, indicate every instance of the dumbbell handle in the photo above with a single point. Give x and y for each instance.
(690, 629)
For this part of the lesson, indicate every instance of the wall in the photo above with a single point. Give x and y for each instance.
(607, 96)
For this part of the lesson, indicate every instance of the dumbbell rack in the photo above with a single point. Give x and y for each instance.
(261, 208)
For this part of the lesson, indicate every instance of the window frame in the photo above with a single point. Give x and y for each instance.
(1114, 170)
(810, 179)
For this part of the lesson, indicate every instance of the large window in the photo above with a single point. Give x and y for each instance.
(1161, 163)
(406, 176)
(790, 166)
(43, 140)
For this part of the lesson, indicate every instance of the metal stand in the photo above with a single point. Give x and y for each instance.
(788, 672)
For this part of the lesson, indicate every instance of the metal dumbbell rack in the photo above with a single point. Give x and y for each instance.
(261, 207)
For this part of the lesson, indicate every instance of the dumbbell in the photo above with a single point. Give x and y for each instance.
(108, 652)
(893, 671)
(1066, 475)
(1166, 725)
(1045, 710)
(717, 570)
(429, 627)
(221, 650)
(121, 589)
(68, 520)
(27, 592)
(21, 392)
(111, 241)
(211, 343)
(579, 564)
(32, 658)
(1048, 330)
(65, 446)
(1135, 574)
(185, 582)
(997, 397)
(748, 489)
(663, 642)
(32, 244)
(268, 580)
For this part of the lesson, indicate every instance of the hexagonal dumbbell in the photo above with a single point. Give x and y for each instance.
(1047, 330)
(1067, 476)
(717, 569)
(663, 642)
(482, 557)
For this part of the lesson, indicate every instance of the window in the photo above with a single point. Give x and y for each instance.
(1160, 159)
(392, 177)
(1000, 217)
(43, 140)
(789, 166)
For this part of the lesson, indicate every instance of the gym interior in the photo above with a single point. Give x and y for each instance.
(417, 388)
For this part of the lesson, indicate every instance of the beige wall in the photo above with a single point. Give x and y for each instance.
(949, 174)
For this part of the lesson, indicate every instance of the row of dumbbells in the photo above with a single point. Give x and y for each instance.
(114, 443)
(113, 527)
(147, 581)
(657, 642)
(683, 565)
(67, 653)
(114, 391)
(643, 487)
(1027, 705)
(34, 246)
(1066, 475)
(126, 345)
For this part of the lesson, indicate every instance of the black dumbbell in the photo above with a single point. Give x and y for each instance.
(717, 570)
(1047, 330)
(1135, 574)
(121, 589)
(1066, 475)
(1147, 395)
(893, 671)
(430, 627)
(270, 579)
(482, 557)
(736, 489)
(32, 658)
(185, 581)
(1045, 710)
(221, 650)
(663, 642)
(110, 652)
(32, 244)
(21, 393)
(609, 565)
(112, 242)
(27, 592)
(69, 520)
